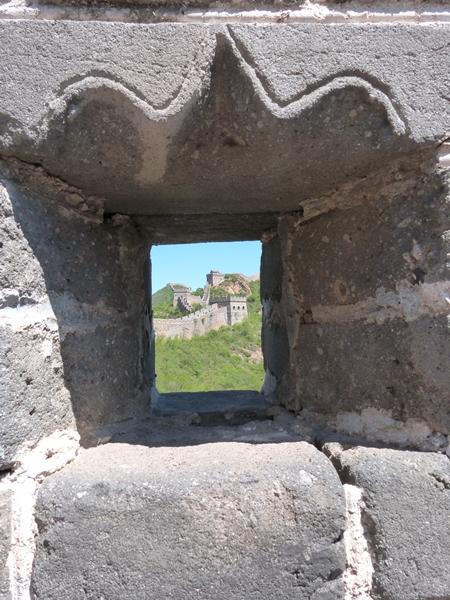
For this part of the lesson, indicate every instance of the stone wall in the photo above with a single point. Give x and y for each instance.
(223, 311)
(198, 323)
(236, 308)
(72, 347)
(365, 303)
(321, 129)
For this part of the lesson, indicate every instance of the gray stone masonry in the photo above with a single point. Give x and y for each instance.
(292, 125)
(367, 301)
(60, 363)
(322, 129)
(218, 521)
(406, 510)
(215, 137)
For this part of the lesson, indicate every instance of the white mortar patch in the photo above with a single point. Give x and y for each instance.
(407, 301)
(310, 12)
(378, 425)
(359, 572)
(444, 154)
(21, 317)
(50, 455)
(47, 348)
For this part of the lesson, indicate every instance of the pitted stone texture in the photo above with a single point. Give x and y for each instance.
(5, 542)
(21, 278)
(289, 62)
(406, 516)
(33, 398)
(398, 367)
(226, 521)
(72, 333)
(154, 62)
(366, 297)
(225, 4)
(183, 4)
(274, 336)
(188, 118)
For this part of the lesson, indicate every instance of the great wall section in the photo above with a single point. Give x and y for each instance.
(217, 312)
(321, 129)
(199, 323)
(220, 314)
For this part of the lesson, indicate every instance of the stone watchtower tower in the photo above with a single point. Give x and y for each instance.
(214, 278)
(236, 307)
(180, 293)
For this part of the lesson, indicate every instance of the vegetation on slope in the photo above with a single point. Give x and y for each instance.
(162, 296)
(162, 304)
(226, 359)
(233, 285)
(166, 310)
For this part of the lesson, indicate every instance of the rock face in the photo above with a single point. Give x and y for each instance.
(223, 520)
(406, 516)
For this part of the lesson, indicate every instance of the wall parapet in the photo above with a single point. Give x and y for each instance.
(198, 323)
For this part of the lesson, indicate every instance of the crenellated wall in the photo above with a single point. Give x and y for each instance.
(222, 312)
(197, 323)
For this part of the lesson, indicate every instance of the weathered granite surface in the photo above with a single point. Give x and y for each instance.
(72, 328)
(320, 138)
(182, 119)
(406, 518)
(366, 294)
(228, 521)
(189, 118)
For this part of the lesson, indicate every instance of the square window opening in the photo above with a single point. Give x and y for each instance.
(206, 329)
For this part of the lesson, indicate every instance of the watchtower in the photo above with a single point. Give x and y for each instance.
(215, 278)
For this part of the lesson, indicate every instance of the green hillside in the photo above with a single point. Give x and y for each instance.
(162, 296)
(162, 304)
(226, 359)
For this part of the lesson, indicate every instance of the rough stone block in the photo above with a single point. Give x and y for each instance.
(72, 305)
(406, 517)
(392, 234)
(5, 542)
(366, 296)
(226, 521)
(33, 399)
(258, 106)
(397, 367)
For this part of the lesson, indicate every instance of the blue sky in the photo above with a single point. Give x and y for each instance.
(189, 263)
